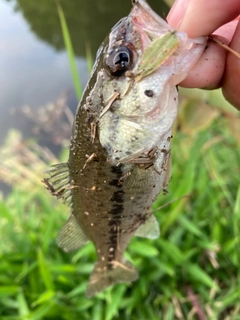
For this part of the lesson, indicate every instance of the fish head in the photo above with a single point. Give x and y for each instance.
(130, 37)
(143, 60)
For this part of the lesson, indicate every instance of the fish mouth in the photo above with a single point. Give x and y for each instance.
(147, 22)
(143, 9)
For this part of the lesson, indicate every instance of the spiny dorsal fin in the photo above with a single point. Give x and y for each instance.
(58, 182)
(149, 229)
(71, 236)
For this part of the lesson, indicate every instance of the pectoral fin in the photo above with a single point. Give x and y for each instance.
(71, 236)
(149, 229)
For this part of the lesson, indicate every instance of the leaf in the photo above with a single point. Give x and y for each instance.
(172, 251)
(144, 249)
(41, 312)
(156, 54)
(113, 304)
(43, 298)
(22, 304)
(79, 290)
(44, 271)
(189, 225)
(97, 311)
(231, 299)
(197, 274)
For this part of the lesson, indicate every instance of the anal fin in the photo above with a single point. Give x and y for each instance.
(71, 236)
(149, 229)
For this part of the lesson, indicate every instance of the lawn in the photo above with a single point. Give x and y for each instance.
(191, 272)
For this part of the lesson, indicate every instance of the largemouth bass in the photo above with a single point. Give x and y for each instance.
(119, 156)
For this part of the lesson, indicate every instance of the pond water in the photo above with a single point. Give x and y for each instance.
(33, 62)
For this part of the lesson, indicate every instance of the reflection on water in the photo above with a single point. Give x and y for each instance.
(88, 21)
(33, 63)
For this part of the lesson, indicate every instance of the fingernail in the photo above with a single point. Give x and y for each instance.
(177, 12)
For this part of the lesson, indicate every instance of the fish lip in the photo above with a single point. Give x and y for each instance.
(142, 7)
(147, 22)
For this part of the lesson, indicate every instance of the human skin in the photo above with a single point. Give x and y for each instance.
(217, 67)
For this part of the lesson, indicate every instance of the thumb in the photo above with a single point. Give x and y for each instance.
(202, 17)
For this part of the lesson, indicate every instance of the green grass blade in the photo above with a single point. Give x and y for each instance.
(70, 51)
(113, 305)
(46, 297)
(236, 228)
(22, 304)
(97, 311)
(196, 273)
(44, 271)
(145, 249)
(41, 312)
(89, 58)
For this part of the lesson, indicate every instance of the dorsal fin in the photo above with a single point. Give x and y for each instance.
(58, 182)
(149, 229)
(71, 236)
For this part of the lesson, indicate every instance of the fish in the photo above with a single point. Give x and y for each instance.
(120, 157)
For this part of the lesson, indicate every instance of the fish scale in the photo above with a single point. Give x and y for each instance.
(119, 158)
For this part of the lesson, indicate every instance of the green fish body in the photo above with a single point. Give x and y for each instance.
(119, 157)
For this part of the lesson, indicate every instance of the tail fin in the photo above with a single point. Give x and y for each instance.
(103, 277)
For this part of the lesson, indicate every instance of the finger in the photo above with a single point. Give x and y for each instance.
(208, 71)
(230, 85)
(202, 17)
(227, 30)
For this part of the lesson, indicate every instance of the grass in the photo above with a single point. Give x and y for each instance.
(70, 51)
(191, 272)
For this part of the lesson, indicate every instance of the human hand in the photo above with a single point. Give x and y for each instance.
(217, 67)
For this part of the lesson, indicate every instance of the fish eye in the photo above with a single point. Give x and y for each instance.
(122, 59)
(119, 61)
